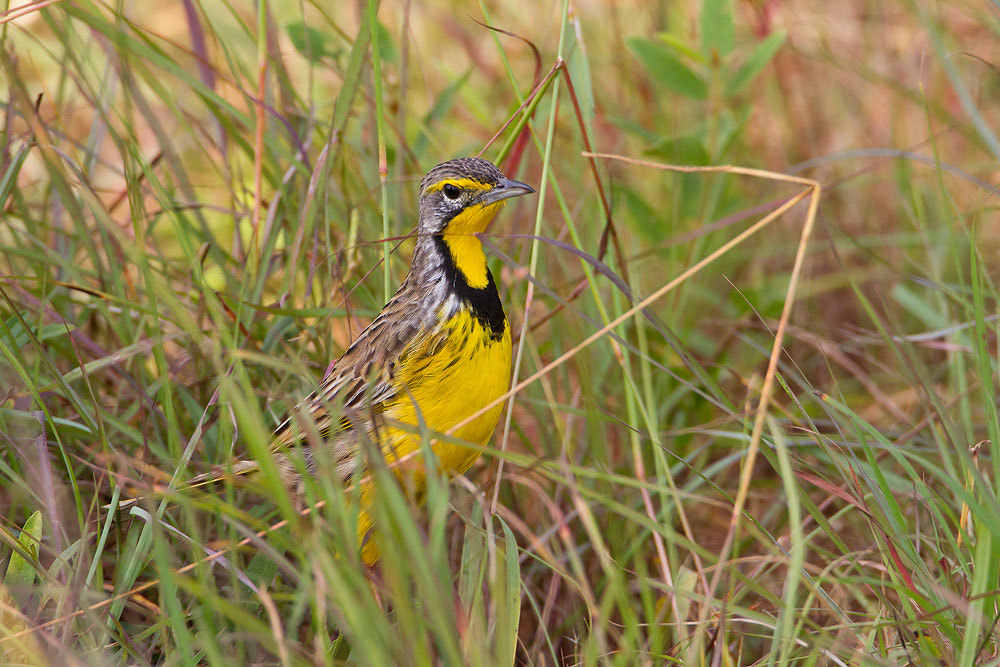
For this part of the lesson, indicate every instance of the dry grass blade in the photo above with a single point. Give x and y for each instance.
(724, 443)
(813, 193)
(656, 295)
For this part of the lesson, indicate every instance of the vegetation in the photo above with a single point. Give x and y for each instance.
(723, 448)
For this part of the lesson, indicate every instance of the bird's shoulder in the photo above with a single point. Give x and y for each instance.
(364, 380)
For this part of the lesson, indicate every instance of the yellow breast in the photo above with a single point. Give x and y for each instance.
(448, 378)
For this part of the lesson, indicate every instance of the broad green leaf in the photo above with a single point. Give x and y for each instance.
(920, 307)
(716, 28)
(730, 125)
(681, 150)
(472, 566)
(683, 49)
(19, 337)
(310, 42)
(340, 649)
(667, 70)
(75, 427)
(386, 47)
(508, 614)
(262, 569)
(20, 571)
(639, 215)
(686, 586)
(755, 62)
(14, 595)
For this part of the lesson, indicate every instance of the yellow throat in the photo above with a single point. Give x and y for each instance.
(465, 248)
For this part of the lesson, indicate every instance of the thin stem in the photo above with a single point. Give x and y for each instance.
(383, 162)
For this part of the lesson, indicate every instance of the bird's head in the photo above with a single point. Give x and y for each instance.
(463, 195)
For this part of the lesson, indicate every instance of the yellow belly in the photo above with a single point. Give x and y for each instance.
(446, 379)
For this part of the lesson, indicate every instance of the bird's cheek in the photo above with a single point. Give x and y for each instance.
(473, 220)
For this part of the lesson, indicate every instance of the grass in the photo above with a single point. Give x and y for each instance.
(782, 453)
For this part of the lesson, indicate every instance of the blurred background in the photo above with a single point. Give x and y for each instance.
(193, 226)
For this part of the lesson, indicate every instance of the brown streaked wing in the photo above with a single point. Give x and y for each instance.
(363, 378)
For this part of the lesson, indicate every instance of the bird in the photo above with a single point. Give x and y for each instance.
(437, 357)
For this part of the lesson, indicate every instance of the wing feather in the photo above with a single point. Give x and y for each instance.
(363, 382)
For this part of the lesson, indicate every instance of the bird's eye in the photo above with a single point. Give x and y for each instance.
(451, 191)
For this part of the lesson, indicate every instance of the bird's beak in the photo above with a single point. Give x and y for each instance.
(506, 189)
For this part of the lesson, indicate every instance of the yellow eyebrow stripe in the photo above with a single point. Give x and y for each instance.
(461, 183)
